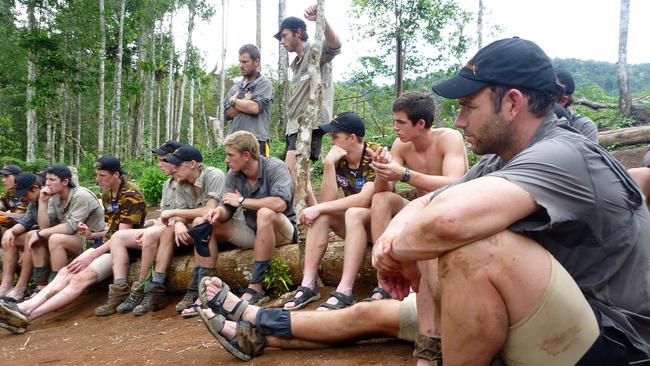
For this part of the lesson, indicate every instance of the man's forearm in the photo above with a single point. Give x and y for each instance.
(329, 189)
(56, 229)
(276, 204)
(331, 37)
(42, 217)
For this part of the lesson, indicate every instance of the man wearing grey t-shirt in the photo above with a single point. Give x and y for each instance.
(540, 252)
(248, 103)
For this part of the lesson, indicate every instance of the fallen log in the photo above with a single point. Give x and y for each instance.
(625, 136)
(594, 105)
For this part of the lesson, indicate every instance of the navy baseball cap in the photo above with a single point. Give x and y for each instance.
(346, 122)
(512, 62)
(11, 170)
(109, 163)
(24, 182)
(565, 79)
(61, 171)
(292, 23)
(167, 148)
(183, 154)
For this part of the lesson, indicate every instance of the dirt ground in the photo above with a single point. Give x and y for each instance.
(75, 336)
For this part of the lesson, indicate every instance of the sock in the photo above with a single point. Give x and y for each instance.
(159, 277)
(39, 276)
(275, 322)
(52, 275)
(259, 270)
(120, 281)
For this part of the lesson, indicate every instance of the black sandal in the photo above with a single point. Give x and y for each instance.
(216, 303)
(343, 301)
(308, 295)
(257, 296)
(378, 290)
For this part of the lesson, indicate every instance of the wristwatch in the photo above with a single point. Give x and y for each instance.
(231, 103)
(406, 175)
(241, 201)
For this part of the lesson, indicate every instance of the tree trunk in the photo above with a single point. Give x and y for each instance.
(150, 94)
(142, 99)
(204, 116)
(624, 99)
(306, 125)
(158, 107)
(102, 71)
(117, 110)
(479, 24)
(399, 54)
(258, 28)
(32, 127)
(77, 109)
(222, 83)
(49, 141)
(169, 109)
(625, 136)
(283, 66)
(190, 120)
(64, 122)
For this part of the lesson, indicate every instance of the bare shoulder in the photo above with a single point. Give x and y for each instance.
(448, 138)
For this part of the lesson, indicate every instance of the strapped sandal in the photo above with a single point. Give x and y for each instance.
(428, 348)
(216, 303)
(215, 325)
(343, 301)
(13, 318)
(258, 296)
(378, 290)
(308, 295)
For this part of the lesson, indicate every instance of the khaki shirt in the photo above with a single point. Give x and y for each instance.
(208, 185)
(300, 86)
(81, 206)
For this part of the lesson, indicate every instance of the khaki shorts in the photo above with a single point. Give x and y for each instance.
(244, 237)
(558, 331)
(408, 319)
(102, 265)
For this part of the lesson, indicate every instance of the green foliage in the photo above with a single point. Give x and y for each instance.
(151, 184)
(277, 278)
(604, 75)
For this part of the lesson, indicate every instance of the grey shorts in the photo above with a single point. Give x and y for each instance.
(408, 319)
(316, 143)
(244, 237)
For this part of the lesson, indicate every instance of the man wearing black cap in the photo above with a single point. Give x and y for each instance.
(27, 189)
(293, 36)
(124, 208)
(206, 185)
(346, 166)
(62, 208)
(248, 103)
(11, 208)
(533, 263)
(581, 123)
(120, 298)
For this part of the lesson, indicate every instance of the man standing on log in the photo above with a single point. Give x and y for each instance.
(293, 36)
(425, 158)
(581, 123)
(248, 104)
(206, 189)
(262, 187)
(348, 166)
(548, 232)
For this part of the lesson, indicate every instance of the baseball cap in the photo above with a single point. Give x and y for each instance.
(565, 79)
(291, 23)
(24, 182)
(184, 153)
(201, 235)
(109, 163)
(511, 62)
(347, 122)
(61, 171)
(167, 148)
(11, 170)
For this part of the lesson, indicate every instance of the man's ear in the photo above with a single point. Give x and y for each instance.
(514, 102)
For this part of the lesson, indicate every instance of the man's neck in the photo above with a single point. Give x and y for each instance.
(115, 187)
(250, 170)
(250, 77)
(65, 193)
(194, 176)
(423, 141)
(524, 132)
(300, 49)
(355, 154)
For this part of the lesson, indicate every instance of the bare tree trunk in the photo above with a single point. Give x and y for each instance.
(258, 28)
(142, 77)
(117, 108)
(190, 120)
(399, 55)
(77, 110)
(204, 116)
(283, 66)
(102, 71)
(49, 141)
(64, 121)
(150, 94)
(479, 24)
(170, 87)
(624, 98)
(222, 83)
(158, 107)
(306, 125)
(32, 126)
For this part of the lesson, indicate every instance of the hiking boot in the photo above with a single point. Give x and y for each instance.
(116, 294)
(134, 299)
(188, 300)
(155, 298)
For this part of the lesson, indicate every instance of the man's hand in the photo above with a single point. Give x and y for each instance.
(182, 237)
(212, 215)
(83, 230)
(165, 215)
(138, 236)
(335, 155)
(82, 261)
(46, 194)
(309, 215)
(381, 253)
(231, 198)
(398, 284)
(389, 171)
(382, 155)
(198, 220)
(32, 240)
(311, 12)
(8, 239)
(233, 97)
(248, 95)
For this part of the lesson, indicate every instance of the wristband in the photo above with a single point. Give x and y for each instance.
(406, 176)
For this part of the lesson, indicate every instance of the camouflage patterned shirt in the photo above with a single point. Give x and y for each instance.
(128, 207)
(352, 180)
(10, 203)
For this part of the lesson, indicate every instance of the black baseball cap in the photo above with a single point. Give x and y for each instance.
(61, 171)
(513, 62)
(565, 79)
(291, 23)
(201, 236)
(347, 122)
(184, 153)
(167, 148)
(24, 182)
(11, 170)
(109, 163)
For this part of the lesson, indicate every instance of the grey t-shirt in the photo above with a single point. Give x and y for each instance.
(299, 98)
(208, 185)
(30, 217)
(82, 206)
(257, 124)
(577, 122)
(592, 218)
(273, 180)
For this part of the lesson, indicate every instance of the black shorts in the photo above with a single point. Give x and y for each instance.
(265, 149)
(316, 143)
